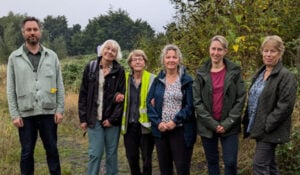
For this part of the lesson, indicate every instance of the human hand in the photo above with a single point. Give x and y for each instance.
(170, 125)
(162, 127)
(58, 118)
(119, 98)
(220, 129)
(106, 123)
(83, 126)
(152, 102)
(18, 122)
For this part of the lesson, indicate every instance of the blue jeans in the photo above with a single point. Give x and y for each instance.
(264, 159)
(100, 139)
(47, 129)
(230, 153)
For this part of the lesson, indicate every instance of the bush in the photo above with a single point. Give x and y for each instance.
(288, 155)
(72, 74)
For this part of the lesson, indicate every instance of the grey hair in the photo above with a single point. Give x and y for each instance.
(275, 41)
(171, 47)
(115, 44)
(137, 52)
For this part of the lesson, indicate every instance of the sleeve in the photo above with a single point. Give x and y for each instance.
(151, 110)
(283, 109)
(235, 113)
(116, 116)
(60, 89)
(11, 90)
(83, 95)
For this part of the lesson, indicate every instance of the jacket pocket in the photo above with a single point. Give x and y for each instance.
(49, 101)
(25, 102)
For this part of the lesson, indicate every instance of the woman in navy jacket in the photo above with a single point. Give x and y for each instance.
(170, 109)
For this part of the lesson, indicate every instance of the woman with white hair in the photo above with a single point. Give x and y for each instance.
(99, 114)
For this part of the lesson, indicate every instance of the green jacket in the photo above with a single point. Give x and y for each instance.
(147, 80)
(273, 121)
(34, 93)
(233, 100)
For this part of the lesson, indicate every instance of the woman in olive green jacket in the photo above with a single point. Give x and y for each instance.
(219, 96)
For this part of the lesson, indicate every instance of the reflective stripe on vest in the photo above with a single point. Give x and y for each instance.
(147, 79)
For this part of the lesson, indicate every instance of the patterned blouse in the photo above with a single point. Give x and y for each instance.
(172, 100)
(254, 94)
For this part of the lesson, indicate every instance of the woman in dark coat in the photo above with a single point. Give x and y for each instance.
(219, 97)
(270, 104)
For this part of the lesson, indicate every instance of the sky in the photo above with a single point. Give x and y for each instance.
(157, 13)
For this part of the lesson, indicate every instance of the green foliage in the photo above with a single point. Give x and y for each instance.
(10, 35)
(73, 41)
(118, 26)
(72, 71)
(243, 23)
(288, 155)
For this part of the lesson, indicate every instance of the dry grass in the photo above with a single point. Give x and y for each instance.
(73, 146)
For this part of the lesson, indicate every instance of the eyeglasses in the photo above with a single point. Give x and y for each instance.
(137, 59)
(272, 52)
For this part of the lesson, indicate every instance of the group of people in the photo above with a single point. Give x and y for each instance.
(165, 111)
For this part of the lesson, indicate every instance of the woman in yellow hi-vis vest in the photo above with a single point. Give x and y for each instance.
(135, 122)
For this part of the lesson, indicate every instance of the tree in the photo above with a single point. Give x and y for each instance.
(243, 22)
(10, 35)
(118, 26)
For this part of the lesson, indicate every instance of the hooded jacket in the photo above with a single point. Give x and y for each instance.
(233, 100)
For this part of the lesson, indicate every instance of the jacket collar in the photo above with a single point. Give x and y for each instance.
(275, 70)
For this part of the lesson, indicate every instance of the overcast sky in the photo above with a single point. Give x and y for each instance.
(157, 13)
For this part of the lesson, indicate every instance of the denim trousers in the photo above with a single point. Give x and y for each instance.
(103, 139)
(45, 126)
(135, 144)
(264, 161)
(229, 151)
(171, 148)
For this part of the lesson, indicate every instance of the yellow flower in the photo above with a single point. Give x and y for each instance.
(235, 47)
(53, 90)
(240, 39)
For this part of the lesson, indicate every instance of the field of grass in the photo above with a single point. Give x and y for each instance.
(73, 146)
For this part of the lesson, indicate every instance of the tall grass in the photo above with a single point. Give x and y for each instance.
(73, 146)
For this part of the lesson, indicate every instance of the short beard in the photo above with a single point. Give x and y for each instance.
(32, 42)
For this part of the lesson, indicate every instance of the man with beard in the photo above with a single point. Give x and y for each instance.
(35, 95)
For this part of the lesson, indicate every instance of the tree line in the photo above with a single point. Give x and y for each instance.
(70, 41)
(243, 22)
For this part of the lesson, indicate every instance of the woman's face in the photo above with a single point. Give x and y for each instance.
(109, 52)
(171, 61)
(217, 52)
(271, 55)
(137, 63)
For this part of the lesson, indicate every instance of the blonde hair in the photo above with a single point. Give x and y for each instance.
(115, 45)
(221, 39)
(275, 41)
(171, 47)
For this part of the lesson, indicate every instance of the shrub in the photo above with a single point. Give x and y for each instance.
(288, 155)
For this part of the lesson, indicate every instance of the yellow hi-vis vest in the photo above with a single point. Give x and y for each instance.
(147, 79)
